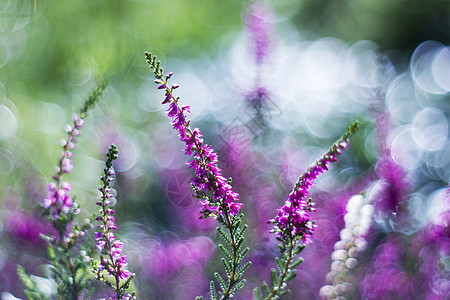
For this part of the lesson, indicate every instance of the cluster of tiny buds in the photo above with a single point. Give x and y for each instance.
(107, 243)
(85, 257)
(69, 144)
(58, 193)
(346, 250)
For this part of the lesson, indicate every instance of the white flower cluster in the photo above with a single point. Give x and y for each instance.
(346, 250)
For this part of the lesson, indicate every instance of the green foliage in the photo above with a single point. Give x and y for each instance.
(71, 272)
(284, 273)
(31, 290)
(155, 65)
(93, 99)
(70, 268)
(233, 253)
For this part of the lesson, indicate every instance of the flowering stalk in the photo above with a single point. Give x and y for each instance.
(258, 22)
(111, 259)
(61, 209)
(347, 250)
(293, 224)
(212, 189)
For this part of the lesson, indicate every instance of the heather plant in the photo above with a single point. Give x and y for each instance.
(212, 189)
(68, 264)
(111, 259)
(292, 224)
(361, 235)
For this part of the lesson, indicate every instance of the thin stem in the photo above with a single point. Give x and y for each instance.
(74, 283)
(62, 230)
(106, 237)
(277, 289)
(226, 294)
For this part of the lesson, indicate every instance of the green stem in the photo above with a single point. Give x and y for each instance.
(277, 289)
(226, 294)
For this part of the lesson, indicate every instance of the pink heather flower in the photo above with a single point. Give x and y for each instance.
(58, 202)
(258, 23)
(107, 242)
(67, 165)
(208, 176)
(293, 218)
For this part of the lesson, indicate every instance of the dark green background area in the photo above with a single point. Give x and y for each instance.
(394, 25)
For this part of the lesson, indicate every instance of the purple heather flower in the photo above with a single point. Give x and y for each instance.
(393, 187)
(293, 218)
(58, 200)
(258, 22)
(208, 176)
(110, 247)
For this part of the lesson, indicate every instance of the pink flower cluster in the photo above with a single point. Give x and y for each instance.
(208, 176)
(106, 240)
(58, 193)
(58, 197)
(293, 218)
(258, 25)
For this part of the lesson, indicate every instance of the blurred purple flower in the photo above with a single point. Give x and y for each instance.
(173, 268)
(258, 22)
(394, 186)
(25, 226)
(58, 202)
(386, 278)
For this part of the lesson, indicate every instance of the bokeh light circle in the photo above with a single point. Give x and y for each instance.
(430, 129)
(400, 98)
(404, 149)
(9, 123)
(440, 68)
(421, 67)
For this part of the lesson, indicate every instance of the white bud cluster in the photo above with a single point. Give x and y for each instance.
(357, 223)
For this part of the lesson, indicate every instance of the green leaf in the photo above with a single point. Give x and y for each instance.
(274, 277)
(32, 292)
(212, 289)
(290, 276)
(227, 265)
(297, 262)
(225, 236)
(222, 283)
(256, 292)
(244, 268)
(280, 264)
(238, 286)
(227, 253)
(266, 288)
(298, 249)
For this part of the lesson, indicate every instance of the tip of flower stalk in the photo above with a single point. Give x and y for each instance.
(295, 212)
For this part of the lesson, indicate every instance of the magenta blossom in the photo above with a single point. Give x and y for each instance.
(210, 186)
(293, 218)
